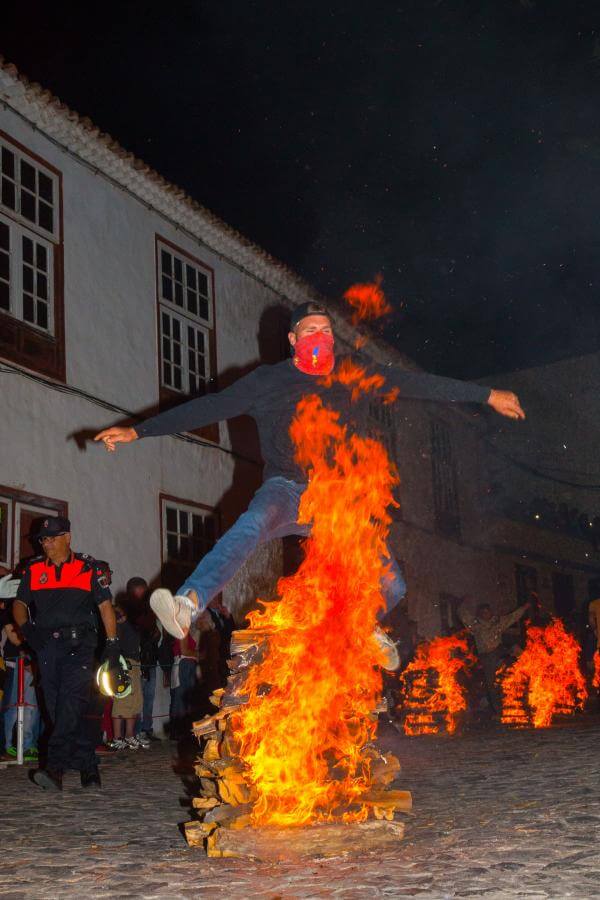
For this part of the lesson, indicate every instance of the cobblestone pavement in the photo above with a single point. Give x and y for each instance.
(497, 814)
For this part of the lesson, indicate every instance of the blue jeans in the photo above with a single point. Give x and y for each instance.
(148, 690)
(31, 713)
(182, 697)
(273, 513)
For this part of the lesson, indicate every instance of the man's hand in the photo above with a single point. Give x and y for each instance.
(113, 436)
(112, 655)
(506, 403)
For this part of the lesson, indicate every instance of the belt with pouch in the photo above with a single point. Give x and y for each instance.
(72, 633)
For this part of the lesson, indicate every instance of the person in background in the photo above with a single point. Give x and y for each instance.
(225, 626)
(150, 638)
(487, 629)
(8, 590)
(13, 647)
(125, 710)
(183, 683)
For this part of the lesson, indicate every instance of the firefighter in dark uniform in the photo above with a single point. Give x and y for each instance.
(56, 609)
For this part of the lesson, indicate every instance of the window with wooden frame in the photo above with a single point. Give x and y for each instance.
(445, 490)
(20, 516)
(188, 531)
(186, 329)
(382, 427)
(31, 261)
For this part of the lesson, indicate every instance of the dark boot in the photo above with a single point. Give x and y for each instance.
(48, 779)
(91, 778)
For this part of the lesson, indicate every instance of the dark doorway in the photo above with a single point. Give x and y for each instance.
(564, 594)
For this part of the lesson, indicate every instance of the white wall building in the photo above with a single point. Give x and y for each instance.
(118, 294)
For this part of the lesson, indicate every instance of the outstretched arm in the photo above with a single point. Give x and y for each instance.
(423, 386)
(233, 401)
(514, 616)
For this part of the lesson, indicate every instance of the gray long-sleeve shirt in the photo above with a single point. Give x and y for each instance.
(270, 394)
(488, 632)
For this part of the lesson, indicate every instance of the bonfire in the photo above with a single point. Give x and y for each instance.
(293, 741)
(596, 678)
(546, 680)
(433, 685)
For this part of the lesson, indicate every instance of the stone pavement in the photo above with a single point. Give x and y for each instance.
(497, 814)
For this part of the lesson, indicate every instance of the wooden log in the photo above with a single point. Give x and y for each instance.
(216, 696)
(210, 724)
(196, 833)
(205, 803)
(211, 750)
(385, 769)
(394, 800)
(313, 841)
(208, 787)
(225, 815)
(244, 638)
(235, 793)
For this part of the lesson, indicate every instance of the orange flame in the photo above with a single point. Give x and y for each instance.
(596, 678)
(545, 680)
(303, 732)
(430, 685)
(368, 301)
(355, 377)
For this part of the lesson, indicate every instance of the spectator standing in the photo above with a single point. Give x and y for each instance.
(183, 683)
(150, 639)
(56, 610)
(487, 630)
(224, 624)
(126, 710)
(13, 647)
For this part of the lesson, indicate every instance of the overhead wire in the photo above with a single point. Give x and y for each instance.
(8, 369)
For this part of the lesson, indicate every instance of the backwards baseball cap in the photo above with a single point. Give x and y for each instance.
(304, 310)
(53, 526)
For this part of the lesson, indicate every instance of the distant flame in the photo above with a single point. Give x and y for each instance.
(596, 678)
(303, 732)
(367, 300)
(546, 679)
(431, 686)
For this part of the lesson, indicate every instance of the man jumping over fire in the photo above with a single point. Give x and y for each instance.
(270, 394)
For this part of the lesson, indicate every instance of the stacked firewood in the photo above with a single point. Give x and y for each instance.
(224, 807)
(418, 713)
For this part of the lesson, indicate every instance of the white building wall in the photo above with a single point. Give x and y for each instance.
(112, 352)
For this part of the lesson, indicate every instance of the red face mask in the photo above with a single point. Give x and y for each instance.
(313, 354)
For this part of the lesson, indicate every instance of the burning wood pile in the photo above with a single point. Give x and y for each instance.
(546, 679)
(228, 796)
(433, 686)
(292, 741)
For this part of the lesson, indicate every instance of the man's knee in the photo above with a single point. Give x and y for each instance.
(258, 523)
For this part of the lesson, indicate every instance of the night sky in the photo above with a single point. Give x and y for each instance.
(452, 146)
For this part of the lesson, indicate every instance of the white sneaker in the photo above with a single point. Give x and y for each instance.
(174, 612)
(132, 743)
(142, 740)
(116, 744)
(390, 658)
